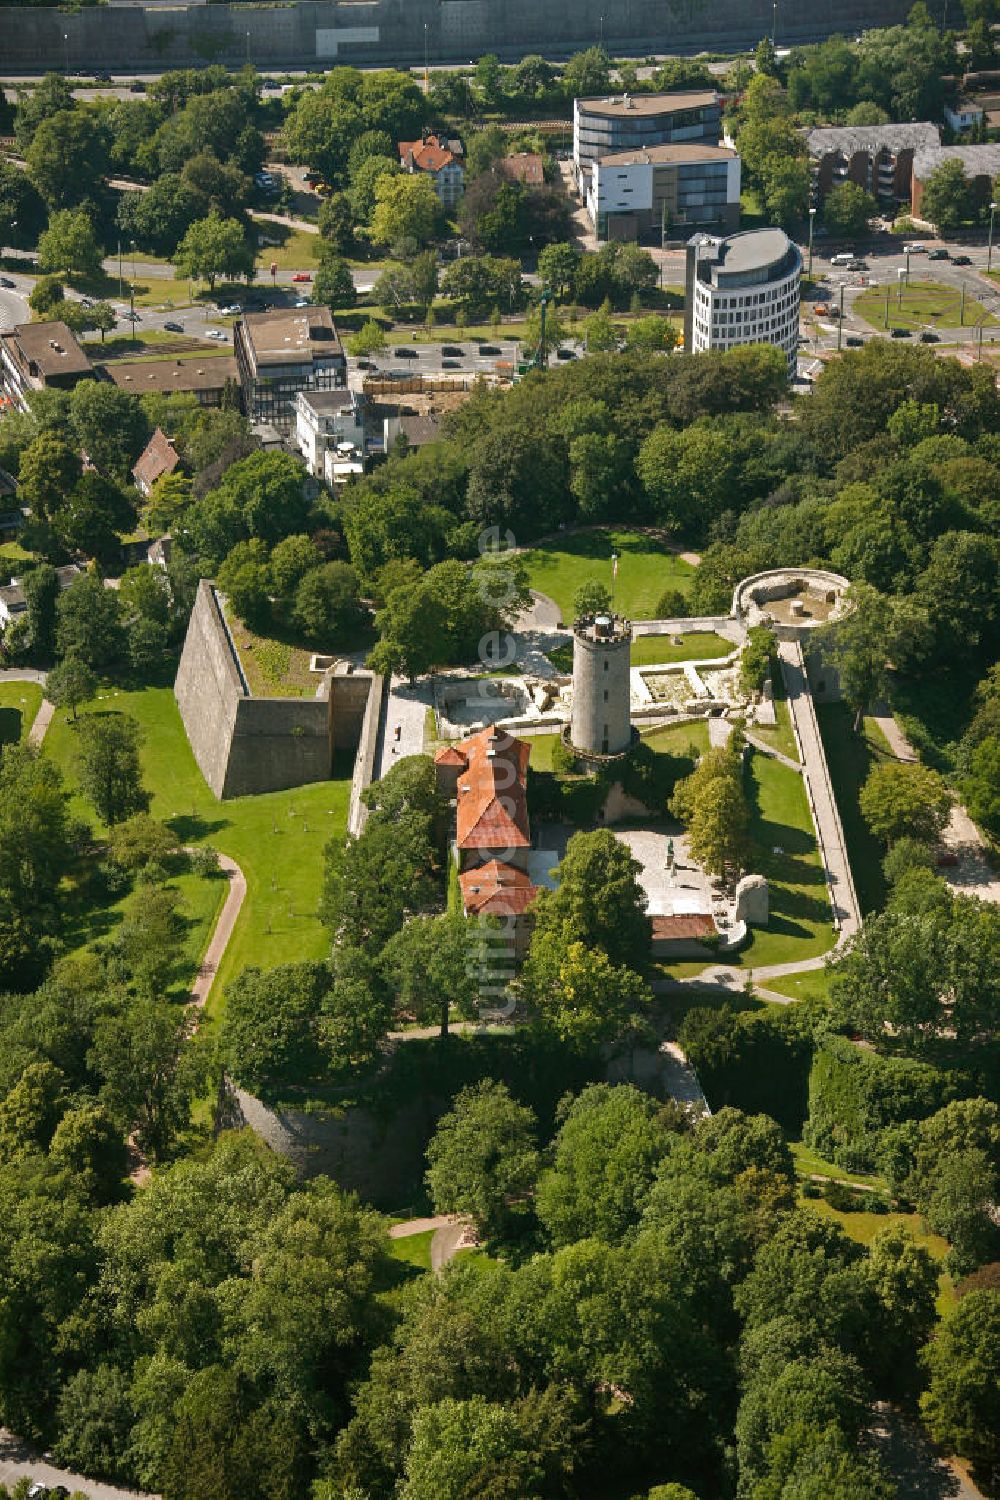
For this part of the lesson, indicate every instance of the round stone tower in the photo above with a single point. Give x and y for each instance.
(599, 719)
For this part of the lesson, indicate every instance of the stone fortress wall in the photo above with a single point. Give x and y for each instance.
(317, 33)
(246, 745)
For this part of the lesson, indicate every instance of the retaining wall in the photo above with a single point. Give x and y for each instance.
(318, 33)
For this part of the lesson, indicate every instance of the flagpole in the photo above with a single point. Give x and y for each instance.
(614, 575)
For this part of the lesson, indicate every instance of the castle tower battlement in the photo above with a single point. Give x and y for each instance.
(599, 720)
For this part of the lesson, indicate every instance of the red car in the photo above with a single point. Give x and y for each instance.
(302, 276)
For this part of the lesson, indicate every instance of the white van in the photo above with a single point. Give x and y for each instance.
(843, 259)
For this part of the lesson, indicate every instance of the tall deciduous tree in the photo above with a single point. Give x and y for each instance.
(483, 1158)
(109, 768)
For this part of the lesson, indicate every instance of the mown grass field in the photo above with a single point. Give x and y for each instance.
(645, 569)
(277, 839)
(925, 304)
(19, 703)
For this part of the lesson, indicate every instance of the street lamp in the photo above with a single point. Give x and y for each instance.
(989, 252)
(774, 23)
(812, 221)
(66, 48)
(248, 47)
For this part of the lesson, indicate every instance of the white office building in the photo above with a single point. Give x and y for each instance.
(670, 188)
(743, 290)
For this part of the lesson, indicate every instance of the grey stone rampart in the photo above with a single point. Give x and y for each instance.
(318, 33)
(208, 688)
(364, 761)
(246, 745)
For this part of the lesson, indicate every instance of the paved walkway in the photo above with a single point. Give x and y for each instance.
(223, 931)
(451, 1234)
(405, 710)
(18, 1461)
(829, 831)
(896, 739)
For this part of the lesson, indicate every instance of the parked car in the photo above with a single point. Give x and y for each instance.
(405, 353)
(451, 364)
(961, 260)
(916, 248)
(853, 342)
(217, 334)
(901, 333)
(843, 259)
(488, 349)
(367, 364)
(231, 310)
(929, 338)
(452, 351)
(174, 327)
(137, 86)
(302, 302)
(5, 281)
(102, 75)
(940, 254)
(302, 276)
(565, 354)
(132, 316)
(821, 307)
(857, 264)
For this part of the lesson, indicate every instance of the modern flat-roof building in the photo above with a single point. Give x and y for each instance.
(283, 352)
(743, 290)
(879, 158)
(325, 420)
(627, 122)
(209, 379)
(981, 165)
(654, 188)
(38, 356)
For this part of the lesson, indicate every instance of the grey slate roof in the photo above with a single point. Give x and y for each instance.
(848, 139)
(978, 161)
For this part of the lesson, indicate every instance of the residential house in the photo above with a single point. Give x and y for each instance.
(441, 160)
(159, 457)
(526, 167)
(13, 603)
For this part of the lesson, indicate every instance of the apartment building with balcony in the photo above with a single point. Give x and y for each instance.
(879, 158)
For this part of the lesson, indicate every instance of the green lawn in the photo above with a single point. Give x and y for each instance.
(19, 703)
(297, 250)
(928, 304)
(801, 925)
(850, 757)
(276, 839)
(12, 553)
(863, 1227)
(413, 1249)
(781, 737)
(679, 739)
(814, 984)
(645, 569)
(697, 645)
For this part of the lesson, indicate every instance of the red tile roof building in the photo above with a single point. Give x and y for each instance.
(524, 166)
(440, 159)
(486, 775)
(159, 457)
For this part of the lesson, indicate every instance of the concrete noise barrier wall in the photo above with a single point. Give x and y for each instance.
(323, 33)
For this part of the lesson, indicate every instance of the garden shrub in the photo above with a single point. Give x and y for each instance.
(756, 1060)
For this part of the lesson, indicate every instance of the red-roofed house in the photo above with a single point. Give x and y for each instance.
(159, 457)
(441, 160)
(524, 166)
(486, 776)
